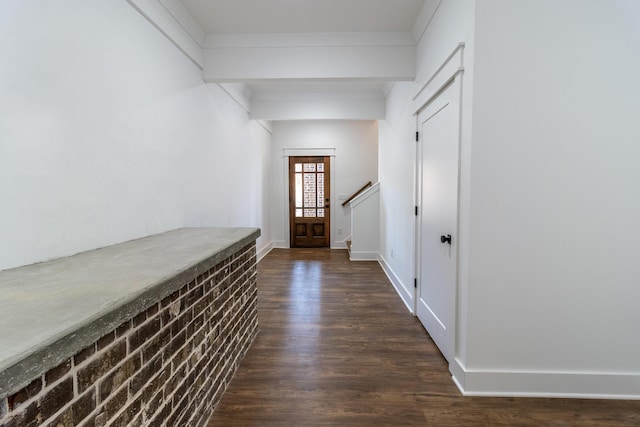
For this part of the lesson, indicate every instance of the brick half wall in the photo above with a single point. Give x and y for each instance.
(167, 366)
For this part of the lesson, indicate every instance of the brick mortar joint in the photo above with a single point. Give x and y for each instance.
(129, 354)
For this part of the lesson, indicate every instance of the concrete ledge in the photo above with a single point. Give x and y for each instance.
(54, 309)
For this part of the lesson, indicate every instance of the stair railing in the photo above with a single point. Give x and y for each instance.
(357, 193)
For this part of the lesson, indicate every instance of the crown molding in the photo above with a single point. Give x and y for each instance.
(160, 17)
(186, 21)
(213, 41)
(424, 18)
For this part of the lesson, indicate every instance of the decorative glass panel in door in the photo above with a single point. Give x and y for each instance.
(309, 202)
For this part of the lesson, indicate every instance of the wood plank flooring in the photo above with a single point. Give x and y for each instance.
(337, 347)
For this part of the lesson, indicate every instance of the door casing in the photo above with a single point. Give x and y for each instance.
(316, 230)
(444, 331)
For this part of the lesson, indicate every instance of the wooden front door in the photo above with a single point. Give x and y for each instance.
(309, 202)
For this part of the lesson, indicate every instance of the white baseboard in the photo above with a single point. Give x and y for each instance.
(280, 244)
(582, 385)
(364, 256)
(262, 252)
(405, 295)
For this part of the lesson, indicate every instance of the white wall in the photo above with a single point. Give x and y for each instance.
(451, 24)
(355, 163)
(107, 133)
(549, 198)
(365, 225)
(397, 178)
(554, 273)
(548, 274)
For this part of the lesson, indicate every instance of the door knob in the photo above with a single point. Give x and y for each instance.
(445, 239)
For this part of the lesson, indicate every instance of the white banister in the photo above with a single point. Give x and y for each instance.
(365, 224)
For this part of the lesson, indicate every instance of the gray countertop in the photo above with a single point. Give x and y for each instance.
(51, 310)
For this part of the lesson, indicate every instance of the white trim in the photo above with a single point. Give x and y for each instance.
(186, 21)
(279, 40)
(582, 385)
(363, 256)
(365, 195)
(340, 244)
(296, 152)
(235, 93)
(425, 16)
(261, 253)
(161, 18)
(372, 63)
(449, 70)
(280, 244)
(447, 76)
(239, 97)
(266, 124)
(387, 88)
(405, 296)
(447, 61)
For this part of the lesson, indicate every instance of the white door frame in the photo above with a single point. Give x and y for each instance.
(448, 74)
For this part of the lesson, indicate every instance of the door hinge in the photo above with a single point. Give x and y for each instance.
(415, 283)
(416, 210)
(417, 136)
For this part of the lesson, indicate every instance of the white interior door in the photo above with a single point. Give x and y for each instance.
(438, 124)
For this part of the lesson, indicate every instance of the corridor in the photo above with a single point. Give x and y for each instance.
(338, 347)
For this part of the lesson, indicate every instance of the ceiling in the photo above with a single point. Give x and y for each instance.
(303, 16)
(291, 18)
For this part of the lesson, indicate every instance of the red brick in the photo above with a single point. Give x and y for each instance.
(24, 394)
(84, 354)
(165, 317)
(156, 345)
(160, 418)
(84, 405)
(152, 404)
(114, 404)
(170, 299)
(106, 340)
(193, 296)
(54, 399)
(144, 375)
(180, 323)
(196, 324)
(143, 333)
(123, 329)
(139, 319)
(64, 419)
(77, 412)
(26, 417)
(128, 416)
(156, 384)
(175, 379)
(100, 365)
(119, 376)
(151, 311)
(58, 372)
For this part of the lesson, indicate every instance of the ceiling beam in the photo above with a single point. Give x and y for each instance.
(371, 56)
(352, 106)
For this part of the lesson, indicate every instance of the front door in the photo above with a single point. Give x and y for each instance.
(309, 202)
(437, 240)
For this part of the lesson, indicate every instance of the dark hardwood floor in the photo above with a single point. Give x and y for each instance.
(337, 347)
